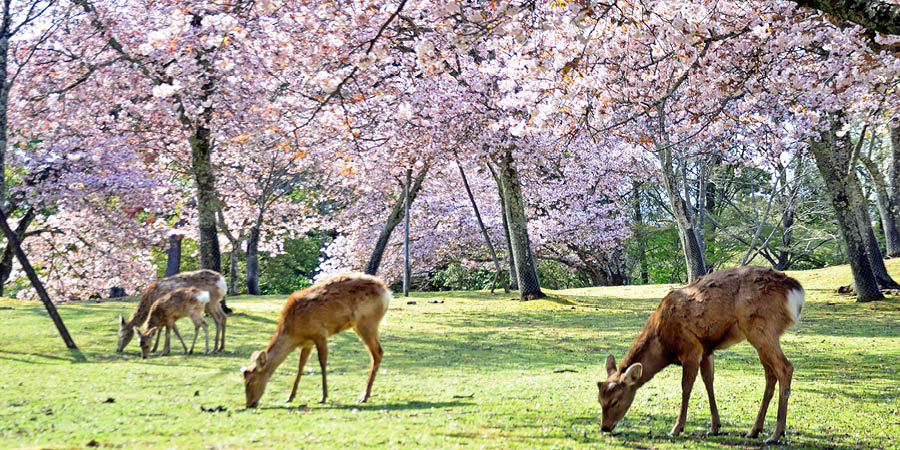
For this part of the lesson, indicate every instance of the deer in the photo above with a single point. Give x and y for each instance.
(712, 313)
(182, 302)
(203, 279)
(309, 317)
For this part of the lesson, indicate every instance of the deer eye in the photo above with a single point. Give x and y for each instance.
(613, 404)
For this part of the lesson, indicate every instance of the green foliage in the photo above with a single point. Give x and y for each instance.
(474, 371)
(555, 275)
(459, 277)
(294, 269)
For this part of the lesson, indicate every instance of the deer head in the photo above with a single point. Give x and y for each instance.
(145, 339)
(617, 392)
(123, 337)
(255, 378)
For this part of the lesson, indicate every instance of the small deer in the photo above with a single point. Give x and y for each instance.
(309, 317)
(712, 313)
(182, 302)
(203, 279)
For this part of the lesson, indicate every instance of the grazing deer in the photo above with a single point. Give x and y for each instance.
(203, 279)
(182, 302)
(313, 314)
(712, 313)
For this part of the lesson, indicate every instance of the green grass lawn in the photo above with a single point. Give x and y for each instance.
(477, 370)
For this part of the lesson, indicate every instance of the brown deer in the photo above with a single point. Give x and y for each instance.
(313, 314)
(712, 313)
(182, 302)
(203, 279)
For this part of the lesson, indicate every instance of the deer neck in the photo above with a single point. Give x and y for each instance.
(278, 350)
(647, 350)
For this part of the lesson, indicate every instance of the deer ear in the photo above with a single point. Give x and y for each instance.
(259, 357)
(121, 321)
(610, 364)
(137, 331)
(633, 374)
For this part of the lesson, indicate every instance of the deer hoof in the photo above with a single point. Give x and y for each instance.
(361, 399)
(751, 434)
(322, 401)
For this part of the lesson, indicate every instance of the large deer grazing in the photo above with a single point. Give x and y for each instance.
(206, 280)
(313, 314)
(182, 302)
(712, 313)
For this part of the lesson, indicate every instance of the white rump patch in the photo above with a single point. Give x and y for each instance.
(386, 297)
(203, 297)
(221, 285)
(795, 300)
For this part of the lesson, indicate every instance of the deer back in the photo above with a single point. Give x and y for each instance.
(335, 304)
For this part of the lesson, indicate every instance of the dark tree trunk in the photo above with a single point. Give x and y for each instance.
(526, 270)
(253, 261)
(173, 253)
(833, 165)
(393, 220)
(511, 259)
(207, 202)
(406, 184)
(6, 261)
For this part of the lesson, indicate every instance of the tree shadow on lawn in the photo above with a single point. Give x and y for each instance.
(74, 356)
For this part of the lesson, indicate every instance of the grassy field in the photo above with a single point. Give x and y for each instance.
(477, 370)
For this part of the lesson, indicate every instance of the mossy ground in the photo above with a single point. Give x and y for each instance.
(477, 370)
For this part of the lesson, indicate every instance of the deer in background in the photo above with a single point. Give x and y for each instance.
(309, 317)
(182, 302)
(203, 279)
(712, 313)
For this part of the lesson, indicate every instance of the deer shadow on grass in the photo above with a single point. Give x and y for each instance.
(372, 406)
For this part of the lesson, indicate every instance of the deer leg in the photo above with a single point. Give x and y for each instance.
(784, 371)
(707, 371)
(224, 318)
(165, 351)
(689, 370)
(304, 356)
(156, 345)
(198, 323)
(219, 317)
(322, 351)
(178, 335)
(369, 335)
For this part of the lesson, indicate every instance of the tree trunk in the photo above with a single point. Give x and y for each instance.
(253, 261)
(406, 232)
(873, 251)
(35, 281)
(894, 184)
(834, 168)
(511, 260)
(173, 253)
(885, 208)
(526, 271)
(6, 261)
(693, 253)
(484, 232)
(207, 202)
(233, 272)
(4, 97)
(393, 220)
(638, 218)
